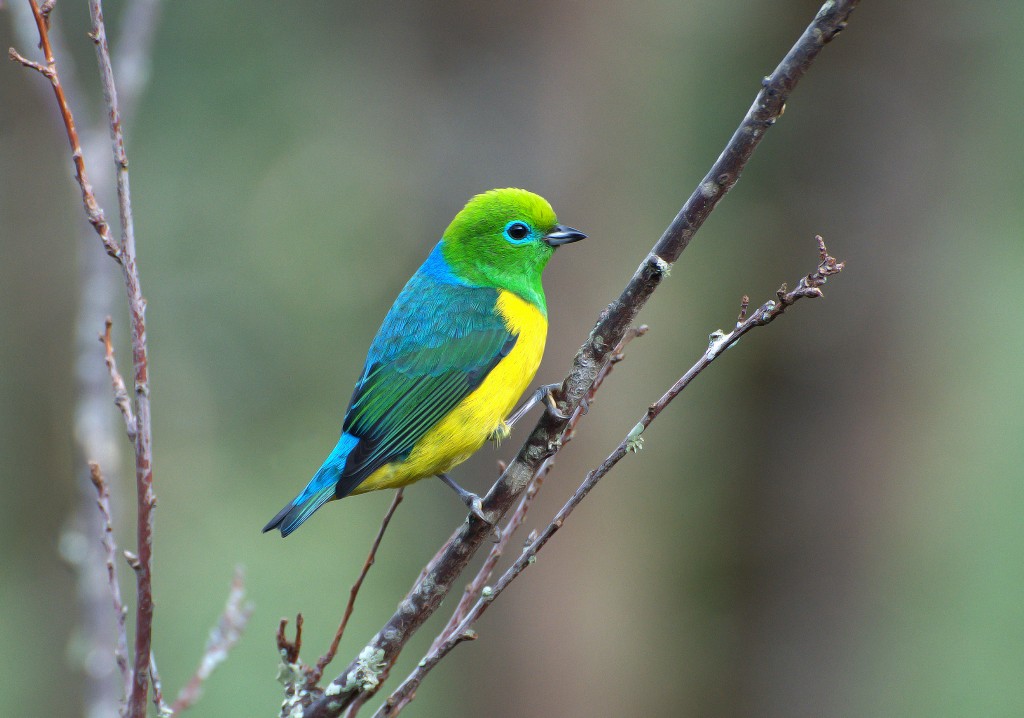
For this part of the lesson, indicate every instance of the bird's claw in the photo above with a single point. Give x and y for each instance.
(476, 507)
(552, 405)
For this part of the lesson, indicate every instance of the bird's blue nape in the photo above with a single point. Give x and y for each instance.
(318, 491)
(437, 267)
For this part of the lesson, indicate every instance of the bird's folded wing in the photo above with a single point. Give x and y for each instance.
(437, 344)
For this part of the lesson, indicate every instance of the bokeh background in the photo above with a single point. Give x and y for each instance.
(827, 523)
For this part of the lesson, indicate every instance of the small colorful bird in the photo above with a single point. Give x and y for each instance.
(457, 349)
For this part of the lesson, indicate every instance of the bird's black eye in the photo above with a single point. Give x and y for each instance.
(517, 231)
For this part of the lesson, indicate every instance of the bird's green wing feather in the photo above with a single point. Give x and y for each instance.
(437, 344)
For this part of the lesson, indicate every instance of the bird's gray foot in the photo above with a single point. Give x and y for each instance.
(543, 393)
(473, 502)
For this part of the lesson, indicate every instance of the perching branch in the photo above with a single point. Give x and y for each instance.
(376, 659)
(809, 286)
(473, 590)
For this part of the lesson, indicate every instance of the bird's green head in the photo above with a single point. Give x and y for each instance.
(503, 239)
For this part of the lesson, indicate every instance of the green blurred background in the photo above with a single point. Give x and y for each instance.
(827, 523)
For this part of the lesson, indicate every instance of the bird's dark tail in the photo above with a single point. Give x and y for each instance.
(319, 491)
(291, 516)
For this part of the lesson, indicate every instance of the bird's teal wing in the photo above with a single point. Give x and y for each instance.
(437, 344)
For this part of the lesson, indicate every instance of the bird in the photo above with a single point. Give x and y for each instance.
(459, 346)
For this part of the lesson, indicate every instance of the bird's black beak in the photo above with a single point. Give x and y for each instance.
(563, 235)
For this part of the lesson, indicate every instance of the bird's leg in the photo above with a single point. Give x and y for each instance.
(543, 393)
(475, 504)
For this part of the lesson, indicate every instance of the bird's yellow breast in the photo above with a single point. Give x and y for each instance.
(466, 427)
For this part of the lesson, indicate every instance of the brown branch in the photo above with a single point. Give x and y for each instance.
(315, 674)
(809, 286)
(289, 650)
(121, 399)
(124, 254)
(110, 548)
(439, 575)
(49, 70)
(140, 364)
(223, 637)
(162, 709)
(290, 672)
(95, 434)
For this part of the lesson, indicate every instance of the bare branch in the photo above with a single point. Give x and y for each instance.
(223, 638)
(809, 286)
(315, 674)
(117, 381)
(110, 547)
(140, 364)
(95, 434)
(439, 575)
(289, 649)
(124, 253)
(290, 673)
(162, 709)
(49, 70)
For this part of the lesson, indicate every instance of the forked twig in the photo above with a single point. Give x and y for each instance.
(110, 548)
(315, 674)
(124, 254)
(121, 399)
(48, 69)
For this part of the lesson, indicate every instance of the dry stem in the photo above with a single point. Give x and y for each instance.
(49, 70)
(110, 548)
(315, 674)
(121, 399)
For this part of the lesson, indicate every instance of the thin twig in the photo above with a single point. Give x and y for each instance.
(121, 399)
(290, 673)
(49, 70)
(96, 435)
(124, 253)
(358, 703)
(809, 286)
(110, 548)
(289, 650)
(223, 637)
(162, 709)
(140, 364)
(439, 575)
(325, 659)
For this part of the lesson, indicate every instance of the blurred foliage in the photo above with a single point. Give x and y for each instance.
(828, 522)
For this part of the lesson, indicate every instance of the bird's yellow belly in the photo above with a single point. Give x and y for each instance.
(466, 427)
